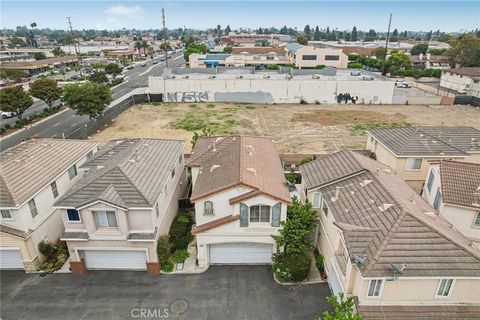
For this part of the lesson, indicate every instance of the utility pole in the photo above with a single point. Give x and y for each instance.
(165, 39)
(386, 43)
(77, 52)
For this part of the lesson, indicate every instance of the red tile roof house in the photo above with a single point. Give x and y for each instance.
(240, 196)
(453, 189)
(385, 245)
(127, 200)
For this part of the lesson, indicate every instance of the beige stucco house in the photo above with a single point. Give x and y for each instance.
(385, 246)
(409, 150)
(240, 196)
(459, 79)
(33, 175)
(128, 198)
(453, 189)
(308, 57)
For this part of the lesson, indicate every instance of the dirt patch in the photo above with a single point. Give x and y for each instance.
(297, 128)
(343, 117)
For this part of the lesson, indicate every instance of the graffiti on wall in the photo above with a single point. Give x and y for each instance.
(193, 96)
(346, 97)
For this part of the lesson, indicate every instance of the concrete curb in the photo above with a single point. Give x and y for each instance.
(297, 283)
(185, 272)
(34, 124)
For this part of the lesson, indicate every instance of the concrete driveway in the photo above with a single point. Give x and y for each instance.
(223, 292)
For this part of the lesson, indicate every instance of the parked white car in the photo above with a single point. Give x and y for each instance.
(402, 84)
(8, 114)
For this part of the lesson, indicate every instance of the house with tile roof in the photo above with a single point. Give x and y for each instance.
(385, 245)
(240, 196)
(126, 201)
(33, 175)
(453, 189)
(308, 57)
(408, 150)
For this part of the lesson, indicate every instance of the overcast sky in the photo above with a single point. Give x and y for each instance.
(407, 15)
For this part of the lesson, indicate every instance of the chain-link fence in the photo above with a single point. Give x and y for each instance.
(108, 115)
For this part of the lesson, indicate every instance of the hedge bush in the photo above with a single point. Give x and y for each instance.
(164, 248)
(355, 65)
(291, 267)
(167, 266)
(180, 231)
(180, 256)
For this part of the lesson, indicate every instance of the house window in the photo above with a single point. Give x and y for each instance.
(6, 214)
(375, 287)
(332, 58)
(173, 173)
(444, 288)
(89, 154)
(438, 199)
(165, 190)
(157, 210)
(270, 58)
(72, 172)
(33, 208)
(208, 207)
(477, 220)
(413, 164)
(260, 213)
(73, 215)
(106, 219)
(430, 180)
(309, 57)
(325, 208)
(317, 197)
(180, 158)
(53, 185)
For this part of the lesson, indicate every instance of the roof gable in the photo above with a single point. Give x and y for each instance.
(460, 183)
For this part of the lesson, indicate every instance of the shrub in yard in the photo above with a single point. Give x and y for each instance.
(291, 267)
(47, 249)
(180, 231)
(164, 248)
(180, 255)
(8, 126)
(355, 65)
(2, 130)
(302, 101)
(167, 266)
(319, 261)
(293, 177)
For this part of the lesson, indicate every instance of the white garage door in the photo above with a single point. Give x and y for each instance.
(10, 258)
(240, 253)
(115, 259)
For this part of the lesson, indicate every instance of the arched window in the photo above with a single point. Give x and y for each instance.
(260, 213)
(208, 207)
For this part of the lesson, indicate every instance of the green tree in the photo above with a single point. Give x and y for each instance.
(227, 30)
(165, 46)
(437, 52)
(465, 51)
(89, 98)
(316, 34)
(306, 31)
(113, 69)
(39, 56)
(379, 52)
(301, 39)
(293, 237)
(15, 99)
(354, 36)
(99, 77)
(17, 42)
(400, 60)
(419, 48)
(194, 48)
(394, 37)
(283, 30)
(227, 50)
(12, 74)
(46, 90)
(272, 66)
(58, 52)
(342, 309)
(371, 35)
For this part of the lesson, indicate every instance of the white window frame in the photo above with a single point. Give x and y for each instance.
(11, 218)
(54, 190)
(328, 208)
(205, 211)
(72, 169)
(32, 201)
(380, 291)
(319, 199)
(477, 216)
(180, 158)
(407, 168)
(260, 213)
(431, 179)
(74, 221)
(173, 173)
(449, 291)
(96, 211)
(440, 195)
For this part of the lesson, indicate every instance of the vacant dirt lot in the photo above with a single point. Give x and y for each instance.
(294, 128)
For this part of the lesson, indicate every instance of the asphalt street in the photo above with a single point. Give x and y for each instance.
(67, 121)
(222, 292)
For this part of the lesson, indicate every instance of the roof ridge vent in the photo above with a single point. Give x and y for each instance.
(252, 170)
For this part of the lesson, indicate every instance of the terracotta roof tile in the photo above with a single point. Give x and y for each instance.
(460, 183)
(215, 223)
